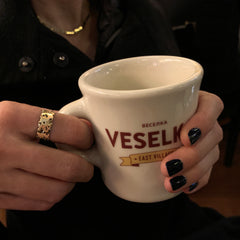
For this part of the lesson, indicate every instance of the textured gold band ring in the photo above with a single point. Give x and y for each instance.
(45, 124)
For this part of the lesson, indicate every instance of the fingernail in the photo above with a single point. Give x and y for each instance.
(174, 166)
(194, 134)
(178, 182)
(193, 186)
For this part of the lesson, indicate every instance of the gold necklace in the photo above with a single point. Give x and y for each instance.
(68, 32)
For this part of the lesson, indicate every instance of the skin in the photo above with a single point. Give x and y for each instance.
(64, 15)
(42, 175)
(35, 177)
(199, 158)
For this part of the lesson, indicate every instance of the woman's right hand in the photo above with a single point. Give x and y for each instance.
(34, 176)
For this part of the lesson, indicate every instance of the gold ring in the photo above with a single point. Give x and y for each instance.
(45, 124)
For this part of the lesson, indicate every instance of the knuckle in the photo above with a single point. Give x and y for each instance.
(76, 169)
(217, 151)
(216, 154)
(88, 174)
(82, 135)
(44, 206)
(68, 170)
(55, 196)
(219, 103)
(61, 189)
(218, 132)
(7, 106)
(77, 132)
(204, 181)
(7, 113)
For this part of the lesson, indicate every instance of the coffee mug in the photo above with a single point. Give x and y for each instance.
(137, 107)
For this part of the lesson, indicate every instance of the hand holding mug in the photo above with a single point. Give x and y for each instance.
(189, 168)
(137, 108)
(43, 176)
(34, 176)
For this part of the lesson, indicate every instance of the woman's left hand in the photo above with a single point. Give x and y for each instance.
(189, 168)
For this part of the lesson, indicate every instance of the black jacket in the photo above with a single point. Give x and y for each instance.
(22, 36)
(90, 211)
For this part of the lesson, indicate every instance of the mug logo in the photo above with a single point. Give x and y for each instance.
(149, 157)
(142, 140)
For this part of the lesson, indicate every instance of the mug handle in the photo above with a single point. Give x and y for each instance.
(78, 108)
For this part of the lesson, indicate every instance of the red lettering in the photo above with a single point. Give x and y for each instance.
(164, 140)
(151, 139)
(125, 140)
(112, 140)
(176, 133)
(141, 142)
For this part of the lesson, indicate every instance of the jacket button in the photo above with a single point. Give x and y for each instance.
(26, 64)
(60, 59)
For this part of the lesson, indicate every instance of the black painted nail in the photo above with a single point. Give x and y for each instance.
(174, 166)
(178, 182)
(194, 134)
(193, 186)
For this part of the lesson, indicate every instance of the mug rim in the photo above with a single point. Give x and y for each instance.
(196, 76)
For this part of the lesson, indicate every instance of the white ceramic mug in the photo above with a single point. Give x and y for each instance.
(137, 107)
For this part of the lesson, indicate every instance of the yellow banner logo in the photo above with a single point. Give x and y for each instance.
(149, 157)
